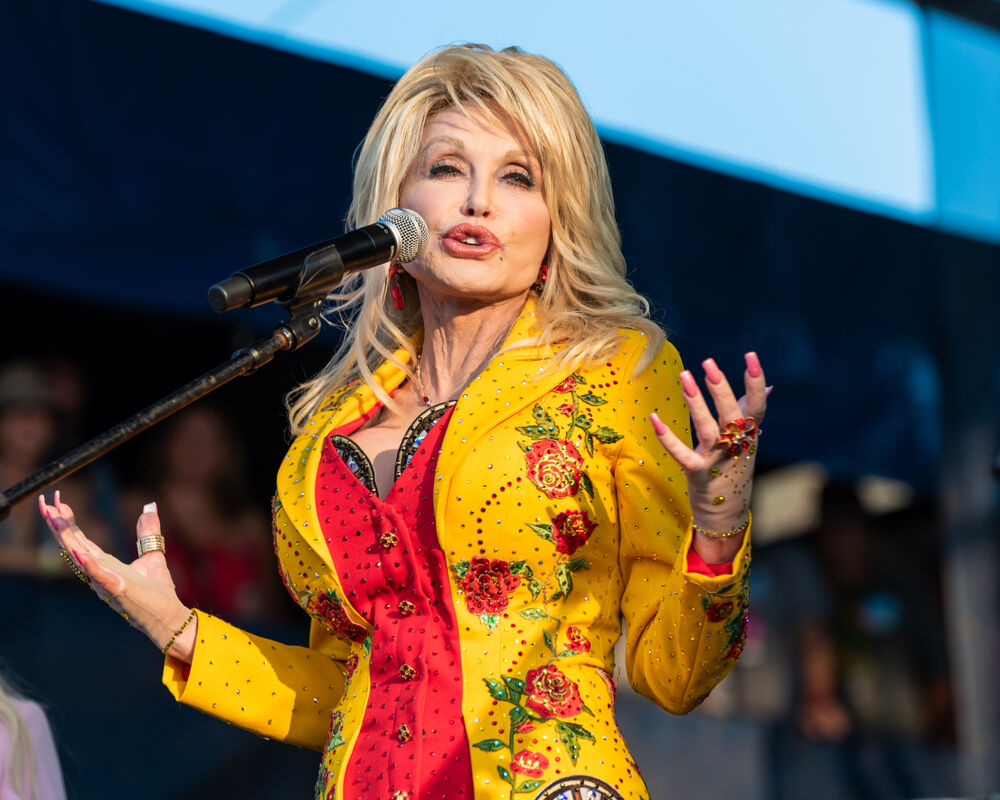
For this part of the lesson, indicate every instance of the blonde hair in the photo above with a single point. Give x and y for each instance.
(586, 298)
(19, 762)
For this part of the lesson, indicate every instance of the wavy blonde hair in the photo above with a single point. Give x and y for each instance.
(18, 763)
(586, 299)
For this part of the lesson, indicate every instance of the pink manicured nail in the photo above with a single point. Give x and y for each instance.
(689, 383)
(767, 391)
(658, 425)
(753, 364)
(58, 501)
(712, 372)
(76, 555)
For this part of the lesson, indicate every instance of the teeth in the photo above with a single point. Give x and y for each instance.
(470, 240)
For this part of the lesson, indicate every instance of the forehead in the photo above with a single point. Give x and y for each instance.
(466, 126)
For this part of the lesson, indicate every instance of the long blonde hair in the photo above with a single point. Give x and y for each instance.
(18, 763)
(586, 299)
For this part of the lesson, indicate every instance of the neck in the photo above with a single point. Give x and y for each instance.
(459, 341)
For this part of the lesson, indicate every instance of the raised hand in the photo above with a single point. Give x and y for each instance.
(142, 591)
(720, 467)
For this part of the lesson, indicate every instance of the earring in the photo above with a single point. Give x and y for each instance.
(397, 291)
(543, 275)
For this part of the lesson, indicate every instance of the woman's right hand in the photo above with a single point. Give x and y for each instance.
(142, 591)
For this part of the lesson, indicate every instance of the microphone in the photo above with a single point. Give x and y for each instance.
(311, 272)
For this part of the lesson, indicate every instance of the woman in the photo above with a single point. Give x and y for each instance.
(481, 481)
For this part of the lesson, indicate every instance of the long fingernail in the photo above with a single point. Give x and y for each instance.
(58, 501)
(78, 557)
(767, 391)
(689, 383)
(658, 425)
(149, 508)
(712, 372)
(753, 364)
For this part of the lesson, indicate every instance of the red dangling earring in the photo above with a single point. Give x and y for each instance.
(397, 291)
(543, 275)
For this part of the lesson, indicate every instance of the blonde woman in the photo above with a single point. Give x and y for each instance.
(492, 469)
(29, 765)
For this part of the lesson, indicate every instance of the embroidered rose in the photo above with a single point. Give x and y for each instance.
(488, 585)
(531, 765)
(525, 727)
(350, 666)
(554, 467)
(570, 530)
(551, 694)
(567, 385)
(567, 409)
(326, 605)
(576, 640)
(719, 611)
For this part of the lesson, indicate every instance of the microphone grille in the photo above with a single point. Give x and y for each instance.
(410, 230)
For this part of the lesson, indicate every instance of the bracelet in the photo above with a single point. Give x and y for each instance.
(180, 630)
(724, 534)
(72, 565)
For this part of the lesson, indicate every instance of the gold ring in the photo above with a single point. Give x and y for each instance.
(146, 544)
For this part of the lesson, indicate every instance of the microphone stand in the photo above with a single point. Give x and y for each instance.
(302, 325)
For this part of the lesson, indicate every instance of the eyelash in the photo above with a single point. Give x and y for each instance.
(517, 177)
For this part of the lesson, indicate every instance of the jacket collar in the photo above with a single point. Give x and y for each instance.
(510, 383)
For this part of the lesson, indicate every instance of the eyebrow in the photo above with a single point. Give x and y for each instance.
(510, 155)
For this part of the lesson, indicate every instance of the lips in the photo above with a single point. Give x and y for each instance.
(469, 241)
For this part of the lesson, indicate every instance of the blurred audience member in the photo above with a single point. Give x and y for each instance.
(29, 765)
(881, 663)
(29, 426)
(220, 551)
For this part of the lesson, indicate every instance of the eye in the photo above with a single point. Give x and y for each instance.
(519, 177)
(443, 169)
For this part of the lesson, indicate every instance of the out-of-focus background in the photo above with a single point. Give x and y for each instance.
(818, 181)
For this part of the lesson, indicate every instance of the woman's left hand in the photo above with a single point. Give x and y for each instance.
(720, 467)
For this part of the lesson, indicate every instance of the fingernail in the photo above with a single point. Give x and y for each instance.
(712, 372)
(753, 364)
(149, 508)
(58, 501)
(767, 391)
(78, 557)
(689, 383)
(658, 425)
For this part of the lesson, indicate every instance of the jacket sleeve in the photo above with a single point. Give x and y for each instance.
(685, 630)
(276, 690)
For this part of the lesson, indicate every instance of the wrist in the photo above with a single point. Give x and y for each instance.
(180, 644)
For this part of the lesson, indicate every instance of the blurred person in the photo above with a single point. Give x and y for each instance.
(491, 471)
(29, 426)
(29, 764)
(221, 556)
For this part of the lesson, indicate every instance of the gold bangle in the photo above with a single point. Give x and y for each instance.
(73, 566)
(724, 534)
(180, 630)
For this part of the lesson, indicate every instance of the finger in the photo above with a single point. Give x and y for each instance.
(689, 460)
(754, 402)
(706, 427)
(726, 405)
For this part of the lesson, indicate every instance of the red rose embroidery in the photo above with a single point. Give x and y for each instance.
(525, 726)
(567, 385)
(352, 664)
(531, 765)
(554, 467)
(567, 409)
(719, 611)
(576, 640)
(570, 530)
(488, 585)
(551, 694)
(327, 606)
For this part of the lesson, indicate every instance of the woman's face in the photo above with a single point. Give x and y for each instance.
(480, 193)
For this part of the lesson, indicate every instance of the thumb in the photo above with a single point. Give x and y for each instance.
(149, 522)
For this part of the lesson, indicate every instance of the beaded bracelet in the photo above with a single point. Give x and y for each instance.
(724, 534)
(180, 630)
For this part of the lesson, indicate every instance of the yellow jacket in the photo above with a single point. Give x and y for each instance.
(595, 523)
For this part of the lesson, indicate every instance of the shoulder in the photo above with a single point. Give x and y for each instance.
(642, 351)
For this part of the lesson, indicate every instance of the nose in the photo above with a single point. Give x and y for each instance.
(479, 201)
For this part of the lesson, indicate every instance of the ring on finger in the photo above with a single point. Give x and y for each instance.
(146, 544)
(738, 435)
